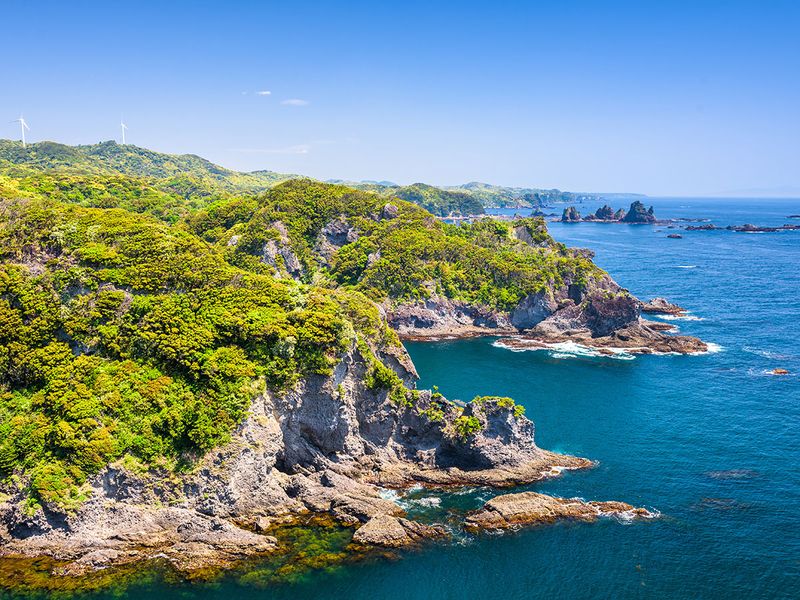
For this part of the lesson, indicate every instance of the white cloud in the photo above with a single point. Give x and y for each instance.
(264, 93)
(295, 102)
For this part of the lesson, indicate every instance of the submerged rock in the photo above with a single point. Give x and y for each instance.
(530, 508)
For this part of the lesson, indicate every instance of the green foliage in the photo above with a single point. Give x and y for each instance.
(125, 336)
(438, 201)
(492, 403)
(466, 426)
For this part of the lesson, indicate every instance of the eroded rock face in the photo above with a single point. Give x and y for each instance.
(529, 508)
(439, 317)
(278, 254)
(333, 236)
(533, 310)
(570, 215)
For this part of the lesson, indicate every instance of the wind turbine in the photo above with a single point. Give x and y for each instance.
(124, 129)
(23, 126)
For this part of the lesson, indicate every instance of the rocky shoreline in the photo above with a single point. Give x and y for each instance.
(603, 316)
(330, 447)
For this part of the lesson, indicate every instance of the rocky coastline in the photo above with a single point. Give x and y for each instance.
(600, 315)
(330, 447)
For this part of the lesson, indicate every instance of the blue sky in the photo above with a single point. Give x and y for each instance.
(656, 97)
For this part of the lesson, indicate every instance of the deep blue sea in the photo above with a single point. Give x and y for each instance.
(711, 441)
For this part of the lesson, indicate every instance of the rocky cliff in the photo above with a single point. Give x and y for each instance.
(328, 446)
(598, 313)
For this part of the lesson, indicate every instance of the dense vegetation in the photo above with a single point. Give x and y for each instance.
(122, 335)
(137, 321)
(404, 257)
(469, 198)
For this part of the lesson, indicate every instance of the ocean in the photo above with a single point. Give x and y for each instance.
(711, 442)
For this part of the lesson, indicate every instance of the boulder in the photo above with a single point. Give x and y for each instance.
(662, 306)
(390, 211)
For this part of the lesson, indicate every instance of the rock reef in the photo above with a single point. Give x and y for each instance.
(637, 213)
(530, 508)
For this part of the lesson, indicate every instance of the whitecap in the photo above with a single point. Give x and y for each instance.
(566, 350)
(683, 317)
(766, 353)
(685, 266)
(388, 494)
(430, 501)
(712, 348)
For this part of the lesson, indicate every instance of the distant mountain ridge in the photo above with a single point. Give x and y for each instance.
(111, 158)
(189, 175)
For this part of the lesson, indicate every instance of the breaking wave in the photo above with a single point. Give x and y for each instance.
(566, 350)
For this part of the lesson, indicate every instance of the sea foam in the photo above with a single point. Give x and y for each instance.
(563, 350)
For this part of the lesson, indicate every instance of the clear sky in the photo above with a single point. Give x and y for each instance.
(663, 98)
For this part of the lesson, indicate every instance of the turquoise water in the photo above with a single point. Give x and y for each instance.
(712, 441)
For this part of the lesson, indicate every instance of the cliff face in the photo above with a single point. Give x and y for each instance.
(319, 448)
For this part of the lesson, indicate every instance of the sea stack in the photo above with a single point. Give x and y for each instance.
(639, 214)
(570, 215)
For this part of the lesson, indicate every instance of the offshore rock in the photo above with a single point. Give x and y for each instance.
(529, 508)
(662, 306)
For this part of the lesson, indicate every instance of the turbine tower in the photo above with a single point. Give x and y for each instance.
(23, 126)
(124, 129)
